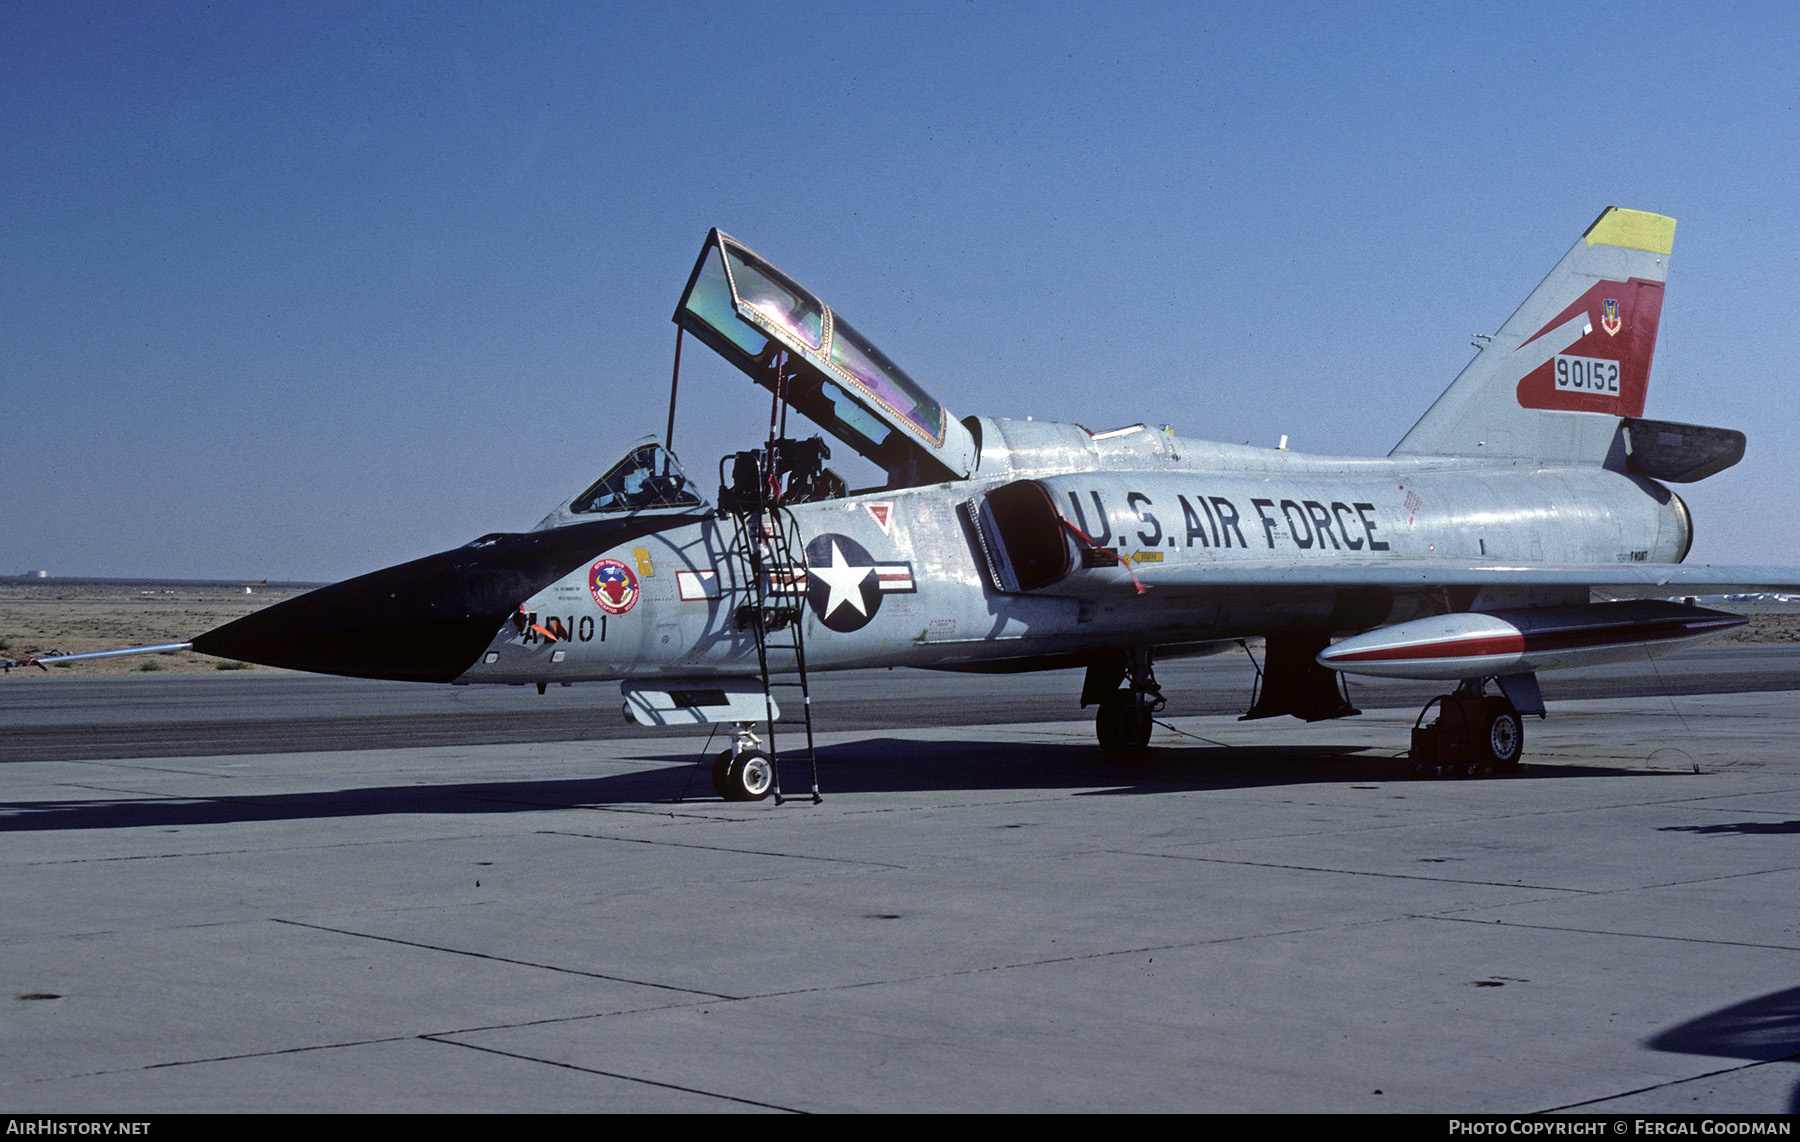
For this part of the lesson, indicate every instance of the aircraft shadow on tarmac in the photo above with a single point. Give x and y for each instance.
(1738, 828)
(870, 766)
(1761, 1030)
(878, 765)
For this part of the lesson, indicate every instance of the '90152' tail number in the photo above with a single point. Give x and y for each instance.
(1587, 375)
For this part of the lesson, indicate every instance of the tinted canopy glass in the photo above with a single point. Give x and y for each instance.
(786, 339)
(649, 478)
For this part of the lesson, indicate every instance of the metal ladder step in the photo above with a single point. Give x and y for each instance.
(775, 619)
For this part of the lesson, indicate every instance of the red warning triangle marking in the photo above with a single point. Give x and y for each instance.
(882, 512)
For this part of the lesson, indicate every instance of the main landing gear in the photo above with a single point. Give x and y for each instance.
(1475, 733)
(1125, 715)
(1124, 720)
(744, 773)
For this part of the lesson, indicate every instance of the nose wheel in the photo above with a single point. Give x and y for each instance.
(744, 772)
(746, 776)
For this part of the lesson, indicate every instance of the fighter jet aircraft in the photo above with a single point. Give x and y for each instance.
(1524, 523)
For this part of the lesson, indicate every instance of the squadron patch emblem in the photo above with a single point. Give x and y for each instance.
(1609, 319)
(613, 585)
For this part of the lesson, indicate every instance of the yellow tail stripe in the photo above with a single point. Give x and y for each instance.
(1634, 230)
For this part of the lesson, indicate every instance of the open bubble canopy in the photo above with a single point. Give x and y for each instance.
(782, 335)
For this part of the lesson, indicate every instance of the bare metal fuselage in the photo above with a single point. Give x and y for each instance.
(898, 578)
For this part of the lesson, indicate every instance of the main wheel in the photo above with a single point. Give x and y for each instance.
(1504, 741)
(748, 777)
(1123, 724)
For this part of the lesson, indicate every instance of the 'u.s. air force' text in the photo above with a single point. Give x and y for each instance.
(1216, 521)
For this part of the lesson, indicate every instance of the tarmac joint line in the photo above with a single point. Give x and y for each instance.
(613, 1074)
(1610, 932)
(1670, 1084)
(1363, 872)
(504, 959)
(717, 848)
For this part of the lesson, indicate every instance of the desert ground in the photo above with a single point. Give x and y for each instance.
(43, 617)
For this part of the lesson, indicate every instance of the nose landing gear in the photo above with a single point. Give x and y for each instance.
(743, 773)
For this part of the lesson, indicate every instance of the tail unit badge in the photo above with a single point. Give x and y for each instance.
(1609, 319)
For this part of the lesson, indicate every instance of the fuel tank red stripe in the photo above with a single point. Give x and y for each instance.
(1475, 646)
(1527, 642)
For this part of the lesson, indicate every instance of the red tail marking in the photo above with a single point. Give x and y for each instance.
(1634, 343)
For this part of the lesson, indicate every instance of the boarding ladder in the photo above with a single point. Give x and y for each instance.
(772, 571)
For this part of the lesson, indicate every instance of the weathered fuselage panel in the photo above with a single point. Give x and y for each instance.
(901, 577)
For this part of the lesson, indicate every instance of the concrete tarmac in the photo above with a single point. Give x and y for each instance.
(982, 915)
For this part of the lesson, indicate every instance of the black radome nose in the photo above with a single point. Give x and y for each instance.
(423, 621)
(417, 621)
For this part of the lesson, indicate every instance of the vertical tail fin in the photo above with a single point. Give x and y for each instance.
(1553, 383)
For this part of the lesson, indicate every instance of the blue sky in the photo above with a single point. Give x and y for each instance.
(298, 291)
